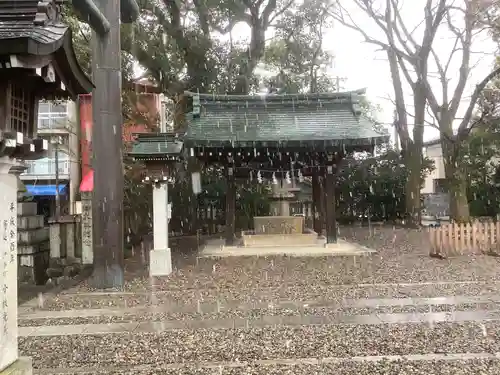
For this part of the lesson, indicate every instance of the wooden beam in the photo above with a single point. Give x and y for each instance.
(316, 203)
(92, 15)
(330, 202)
(129, 11)
(230, 206)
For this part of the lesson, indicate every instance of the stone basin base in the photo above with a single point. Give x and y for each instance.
(250, 239)
(278, 224)
(216, 248)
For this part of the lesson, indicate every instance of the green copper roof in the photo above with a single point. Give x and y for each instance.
(155, 145)
(332, 119)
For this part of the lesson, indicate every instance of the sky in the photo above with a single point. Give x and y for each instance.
(362, 66)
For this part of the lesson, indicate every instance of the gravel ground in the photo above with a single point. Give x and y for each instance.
(471, 367)
(383, 267)
(255, 313)
(312, 291)
(184, 346)
(402, 257)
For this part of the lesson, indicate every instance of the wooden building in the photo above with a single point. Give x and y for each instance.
(37, 61)
(273, 136)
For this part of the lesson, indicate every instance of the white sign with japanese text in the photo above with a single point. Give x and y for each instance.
(8, 270)
(87, 246)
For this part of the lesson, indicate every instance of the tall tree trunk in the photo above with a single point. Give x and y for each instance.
(459, 203)
(456, 181)
(413, 162)
(413, 159)
(454, 172)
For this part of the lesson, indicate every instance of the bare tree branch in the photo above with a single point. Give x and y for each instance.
(280, 12)
(341, 15)
(409, 114)
(466, 40)
(465, 124)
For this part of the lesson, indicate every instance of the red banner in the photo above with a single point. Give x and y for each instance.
(85, 102)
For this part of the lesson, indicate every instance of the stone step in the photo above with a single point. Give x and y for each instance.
(256, 344)
(456, 364)
(273, 240)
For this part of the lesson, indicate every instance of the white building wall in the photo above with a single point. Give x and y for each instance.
(59, 119)
(434, 153)
(74, 154)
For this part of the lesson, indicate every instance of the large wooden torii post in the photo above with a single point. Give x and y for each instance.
(104, 17)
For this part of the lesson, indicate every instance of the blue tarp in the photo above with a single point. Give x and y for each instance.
(45, 190)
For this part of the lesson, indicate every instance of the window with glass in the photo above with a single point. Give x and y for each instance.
(440, 185)
(19, 112)
(52, 115)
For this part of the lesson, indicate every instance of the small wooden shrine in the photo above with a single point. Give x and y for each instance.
(37, 61)
(281, 136)
(274, 137)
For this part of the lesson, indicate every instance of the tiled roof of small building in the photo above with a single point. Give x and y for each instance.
(33, 27)
(331, 119)
(26, 19)
(33, 24)
(155, 145)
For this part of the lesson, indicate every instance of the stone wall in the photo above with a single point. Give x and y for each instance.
(65, 248)
(33, 251)
(65, 237)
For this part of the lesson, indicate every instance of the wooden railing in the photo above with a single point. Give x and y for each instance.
(465, 238)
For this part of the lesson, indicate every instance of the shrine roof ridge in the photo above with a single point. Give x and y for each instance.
(31, 28)
(36, 22)
(156, 136)
(340, 97)
(150, 144)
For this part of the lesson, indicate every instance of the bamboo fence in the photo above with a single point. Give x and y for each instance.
(465, 238)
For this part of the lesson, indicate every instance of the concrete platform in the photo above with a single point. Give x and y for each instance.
(23, 366)
(216, 248)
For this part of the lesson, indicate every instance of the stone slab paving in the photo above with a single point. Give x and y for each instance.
(334, 314)
(396, 312)
(204, 307)
(261, 322)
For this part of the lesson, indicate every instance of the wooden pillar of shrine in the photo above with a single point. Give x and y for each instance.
(322, 206)
(329, 193)
(316, 203)
(230, 206)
